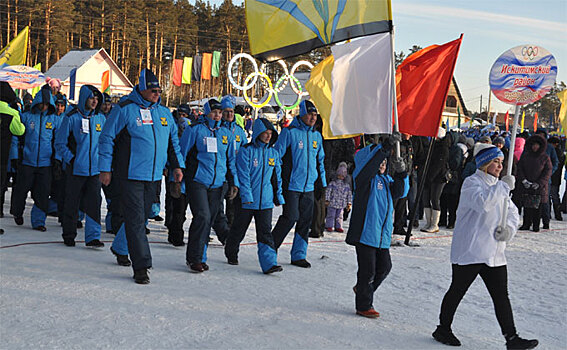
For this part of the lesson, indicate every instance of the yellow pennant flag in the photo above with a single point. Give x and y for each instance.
(523, 118)
(37, 88)
(15, 52)
(187, 68)
(320, 87)
(563, 111)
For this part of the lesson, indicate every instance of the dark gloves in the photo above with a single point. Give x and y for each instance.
(232, 192)
(398, 165)
(390, 142)
(57, 170)
(175, 189)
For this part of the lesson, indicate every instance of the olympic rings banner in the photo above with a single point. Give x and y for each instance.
(279, 29)
(273, 90)
(523, 74)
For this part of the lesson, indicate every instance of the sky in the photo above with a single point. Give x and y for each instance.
(490, 28)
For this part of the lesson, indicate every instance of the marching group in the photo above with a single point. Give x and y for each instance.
(66, 154)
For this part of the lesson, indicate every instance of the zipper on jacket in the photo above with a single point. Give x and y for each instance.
(155, 150)
(308, 149)
(39, 137)
(90, 143)
(262, 179)
(387, 211)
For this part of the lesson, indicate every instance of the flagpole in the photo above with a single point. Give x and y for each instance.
(510, 161)
(393, 87)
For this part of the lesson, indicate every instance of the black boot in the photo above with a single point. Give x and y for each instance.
(122, 260)
(141, 276)
(446, 336)
(515, 342)
(301, 263)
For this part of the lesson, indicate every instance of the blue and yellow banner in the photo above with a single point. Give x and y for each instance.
(278, 29)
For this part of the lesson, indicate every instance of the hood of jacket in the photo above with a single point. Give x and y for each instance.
(536, 139)
(86, 92)
(262, 125)
(298, 123)
(43, 96)
(137, 98)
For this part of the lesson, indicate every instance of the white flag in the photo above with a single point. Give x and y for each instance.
(362, 86)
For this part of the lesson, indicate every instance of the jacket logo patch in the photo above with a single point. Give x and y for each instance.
(163, 121)
(315, 144)
(237, 138)
(255, 163)
(98, 128)
(32, 125)
(380, 186)
(271, 161)
(49, 125)
(300, 144)
(225, 140)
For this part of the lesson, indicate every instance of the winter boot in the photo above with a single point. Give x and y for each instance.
(95, 243)
(434, 221)
(515, 342)
(141, 276)
(301, 263)
(370, 313)
(427, 214)
(122, 260)
(275, 268)
(446, 336)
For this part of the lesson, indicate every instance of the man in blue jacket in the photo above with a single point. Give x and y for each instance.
(138, 138)
(259, 173)
(208, 150)
(76, 144)
(372, 221)
(301, 149)
(35, 171)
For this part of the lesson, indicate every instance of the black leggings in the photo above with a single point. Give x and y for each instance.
(432, 195)
(496, 281)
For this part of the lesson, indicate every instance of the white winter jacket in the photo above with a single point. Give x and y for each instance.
(483, 197)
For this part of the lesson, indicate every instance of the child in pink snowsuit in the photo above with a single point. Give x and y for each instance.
(338, 197)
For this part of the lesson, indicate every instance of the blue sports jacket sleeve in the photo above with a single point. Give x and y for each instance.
(321, 164)
(62, 151)
(114, 124)
(243, 169)
(233, 181)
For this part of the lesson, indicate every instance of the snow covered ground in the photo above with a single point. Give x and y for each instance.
(53, 296)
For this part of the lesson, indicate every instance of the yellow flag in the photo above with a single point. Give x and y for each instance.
(187, 68)
(320, 88)
(563, 111)
(285, 28)
(15, 52)
(523, 118)
(37, 88)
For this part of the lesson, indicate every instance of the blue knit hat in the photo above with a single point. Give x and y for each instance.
(210, 105)
(148, 80)
(484, 153)
(306, 107)
(228, 101)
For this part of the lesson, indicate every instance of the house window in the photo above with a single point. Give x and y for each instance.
(451, 102)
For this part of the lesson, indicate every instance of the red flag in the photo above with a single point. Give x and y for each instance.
(105, 84)
(177, 72)
(535, 122)
(507, 121)
(422, 84)
(206, 66)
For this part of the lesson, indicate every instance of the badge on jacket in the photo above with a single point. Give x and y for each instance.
(255, 162)
(98, 128)
(314, 144)
(300, 144)
(32, 125)
(163, 121)
(225, 140)
(271, 161)
(49, 125)
(237, 138)
(379, 185)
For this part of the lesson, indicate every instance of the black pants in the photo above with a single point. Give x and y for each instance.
(87, 189)
(432, 195)
(555, 200)
(532, 216)
(374, 265)
(496, 282)
(263, 220)
(400, 216)
(221, 223)
(36, 180)
(176, 210)
(204, 203)
(545, 213)
(449, 203)
(319, 214)
(136, 199)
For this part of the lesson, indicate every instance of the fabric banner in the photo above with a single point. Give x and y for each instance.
(177, 71)
(278, 29)
(522, 122)
(563, 111)
(507, 121)
(196, 73)
(15, 52)
(105, 82)
(187, 69)
(535, 121)
(72, 82)
(215, 68)
(206, 66)
(37, 88)
(362, 86)
(422, 84)
(21, 77)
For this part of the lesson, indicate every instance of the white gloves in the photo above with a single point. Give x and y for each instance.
(510, 180)
(502, 234)
(526, 183)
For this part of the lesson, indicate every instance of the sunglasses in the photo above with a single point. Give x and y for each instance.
(156, 91)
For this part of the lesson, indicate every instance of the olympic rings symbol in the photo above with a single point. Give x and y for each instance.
(273, 90)
(530, 51)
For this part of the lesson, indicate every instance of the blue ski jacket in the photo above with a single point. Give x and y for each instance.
(259, 170)
(138, 138)
(209, 152)
(301, 150)
(372, 210)
(77, 139)
(40, 131)
(239, 134)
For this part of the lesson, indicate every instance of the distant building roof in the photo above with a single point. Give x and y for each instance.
(73, 59)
